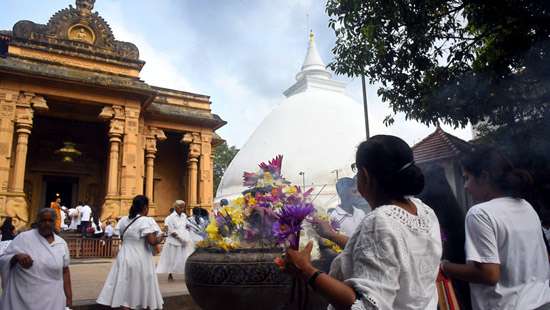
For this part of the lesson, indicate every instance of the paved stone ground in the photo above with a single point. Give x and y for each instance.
(88, 277)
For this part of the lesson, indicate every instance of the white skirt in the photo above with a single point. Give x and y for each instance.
(132, 281)
(173, 258)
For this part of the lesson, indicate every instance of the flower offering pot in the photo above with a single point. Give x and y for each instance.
(237, 279)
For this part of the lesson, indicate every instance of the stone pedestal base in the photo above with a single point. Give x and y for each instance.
(15, 205)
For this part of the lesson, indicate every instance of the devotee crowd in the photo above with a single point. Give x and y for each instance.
(406, 242)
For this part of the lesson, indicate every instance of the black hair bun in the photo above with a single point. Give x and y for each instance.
(408, 182)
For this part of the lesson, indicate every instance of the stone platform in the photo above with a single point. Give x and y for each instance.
(88, 277)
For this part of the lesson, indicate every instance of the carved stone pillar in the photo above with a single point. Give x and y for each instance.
(154, 135)
(8, 100)
(193, 140)
(16, 204)
(23, 131)
(206, 181)
(112, 177)
(23, 126)
(115, 116)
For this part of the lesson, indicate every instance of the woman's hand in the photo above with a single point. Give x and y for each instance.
(323, 228)
(297, 262)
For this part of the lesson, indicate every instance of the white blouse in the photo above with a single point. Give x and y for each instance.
(392, 259)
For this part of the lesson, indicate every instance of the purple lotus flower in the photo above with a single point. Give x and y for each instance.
(289, 224)
(273, 166)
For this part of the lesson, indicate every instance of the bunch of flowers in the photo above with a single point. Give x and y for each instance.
(335, 225)
(269, 212)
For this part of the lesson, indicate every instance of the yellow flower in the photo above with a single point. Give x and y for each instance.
(212, 230)
(268, 178)
(252, 201)
(291, 190)
(239, 201)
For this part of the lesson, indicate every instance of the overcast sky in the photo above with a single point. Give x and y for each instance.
(242, 53)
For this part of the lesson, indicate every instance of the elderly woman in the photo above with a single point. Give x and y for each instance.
(178, 245)
(35, 268)
(392, 259)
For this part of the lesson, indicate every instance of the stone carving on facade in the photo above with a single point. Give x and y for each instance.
(194, 141)
(17, 209)
(75, 28)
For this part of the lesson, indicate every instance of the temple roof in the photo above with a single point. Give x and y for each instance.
(78, 46)
(76, 30)
(439, 145)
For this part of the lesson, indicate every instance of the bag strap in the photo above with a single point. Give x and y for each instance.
(126, 228)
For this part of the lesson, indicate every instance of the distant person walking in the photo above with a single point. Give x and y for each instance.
(178, 245)
(56, 206)
(507, 263)
(132, 282)
(85, 218)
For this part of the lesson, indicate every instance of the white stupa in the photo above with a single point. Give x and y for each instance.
(316, 128)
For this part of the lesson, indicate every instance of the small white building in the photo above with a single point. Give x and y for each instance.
(316, 128)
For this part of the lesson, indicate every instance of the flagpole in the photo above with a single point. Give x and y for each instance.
(365, 105)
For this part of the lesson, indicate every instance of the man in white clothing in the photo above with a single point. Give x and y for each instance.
(85, 218)
(35, 269)
(348, 214)
(178, 245)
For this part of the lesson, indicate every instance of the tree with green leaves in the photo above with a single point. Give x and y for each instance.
(223, 155)
(486, 62)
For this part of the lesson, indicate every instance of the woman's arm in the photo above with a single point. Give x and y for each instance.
(474, 272)
(324, 230)
(153, 239)
(337, 293)
(67, 286)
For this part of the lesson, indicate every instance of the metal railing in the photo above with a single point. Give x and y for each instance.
(92, 248)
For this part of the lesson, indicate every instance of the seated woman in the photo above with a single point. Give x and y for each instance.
(391, 261)
(507, 263)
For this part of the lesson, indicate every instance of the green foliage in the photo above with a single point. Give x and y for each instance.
(455, 61)
(223, 155)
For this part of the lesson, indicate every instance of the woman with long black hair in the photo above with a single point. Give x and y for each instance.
(7, 229)
(132, 282)
(439, 196)
(392, 259)
(507, 264)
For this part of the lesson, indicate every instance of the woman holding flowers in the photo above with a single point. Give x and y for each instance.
(392, 259)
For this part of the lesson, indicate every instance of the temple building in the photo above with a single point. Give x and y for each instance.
(77, 121)
(316, 128)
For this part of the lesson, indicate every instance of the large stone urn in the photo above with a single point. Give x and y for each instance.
(244, 279)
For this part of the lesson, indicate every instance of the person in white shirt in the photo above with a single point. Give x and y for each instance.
(73, 215)
(507, 263)
(178, 245)
(79, 215)
(346, 214)
(109, 231)
(85, 218)
(392, 259)
(63, 217)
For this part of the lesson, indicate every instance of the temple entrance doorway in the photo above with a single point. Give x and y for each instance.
(65, 188)
(67, 155)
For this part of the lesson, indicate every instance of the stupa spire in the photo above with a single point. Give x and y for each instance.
(314, 73)
(313, 63)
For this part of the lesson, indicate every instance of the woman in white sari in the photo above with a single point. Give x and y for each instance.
(392, 259)
(132, 282)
